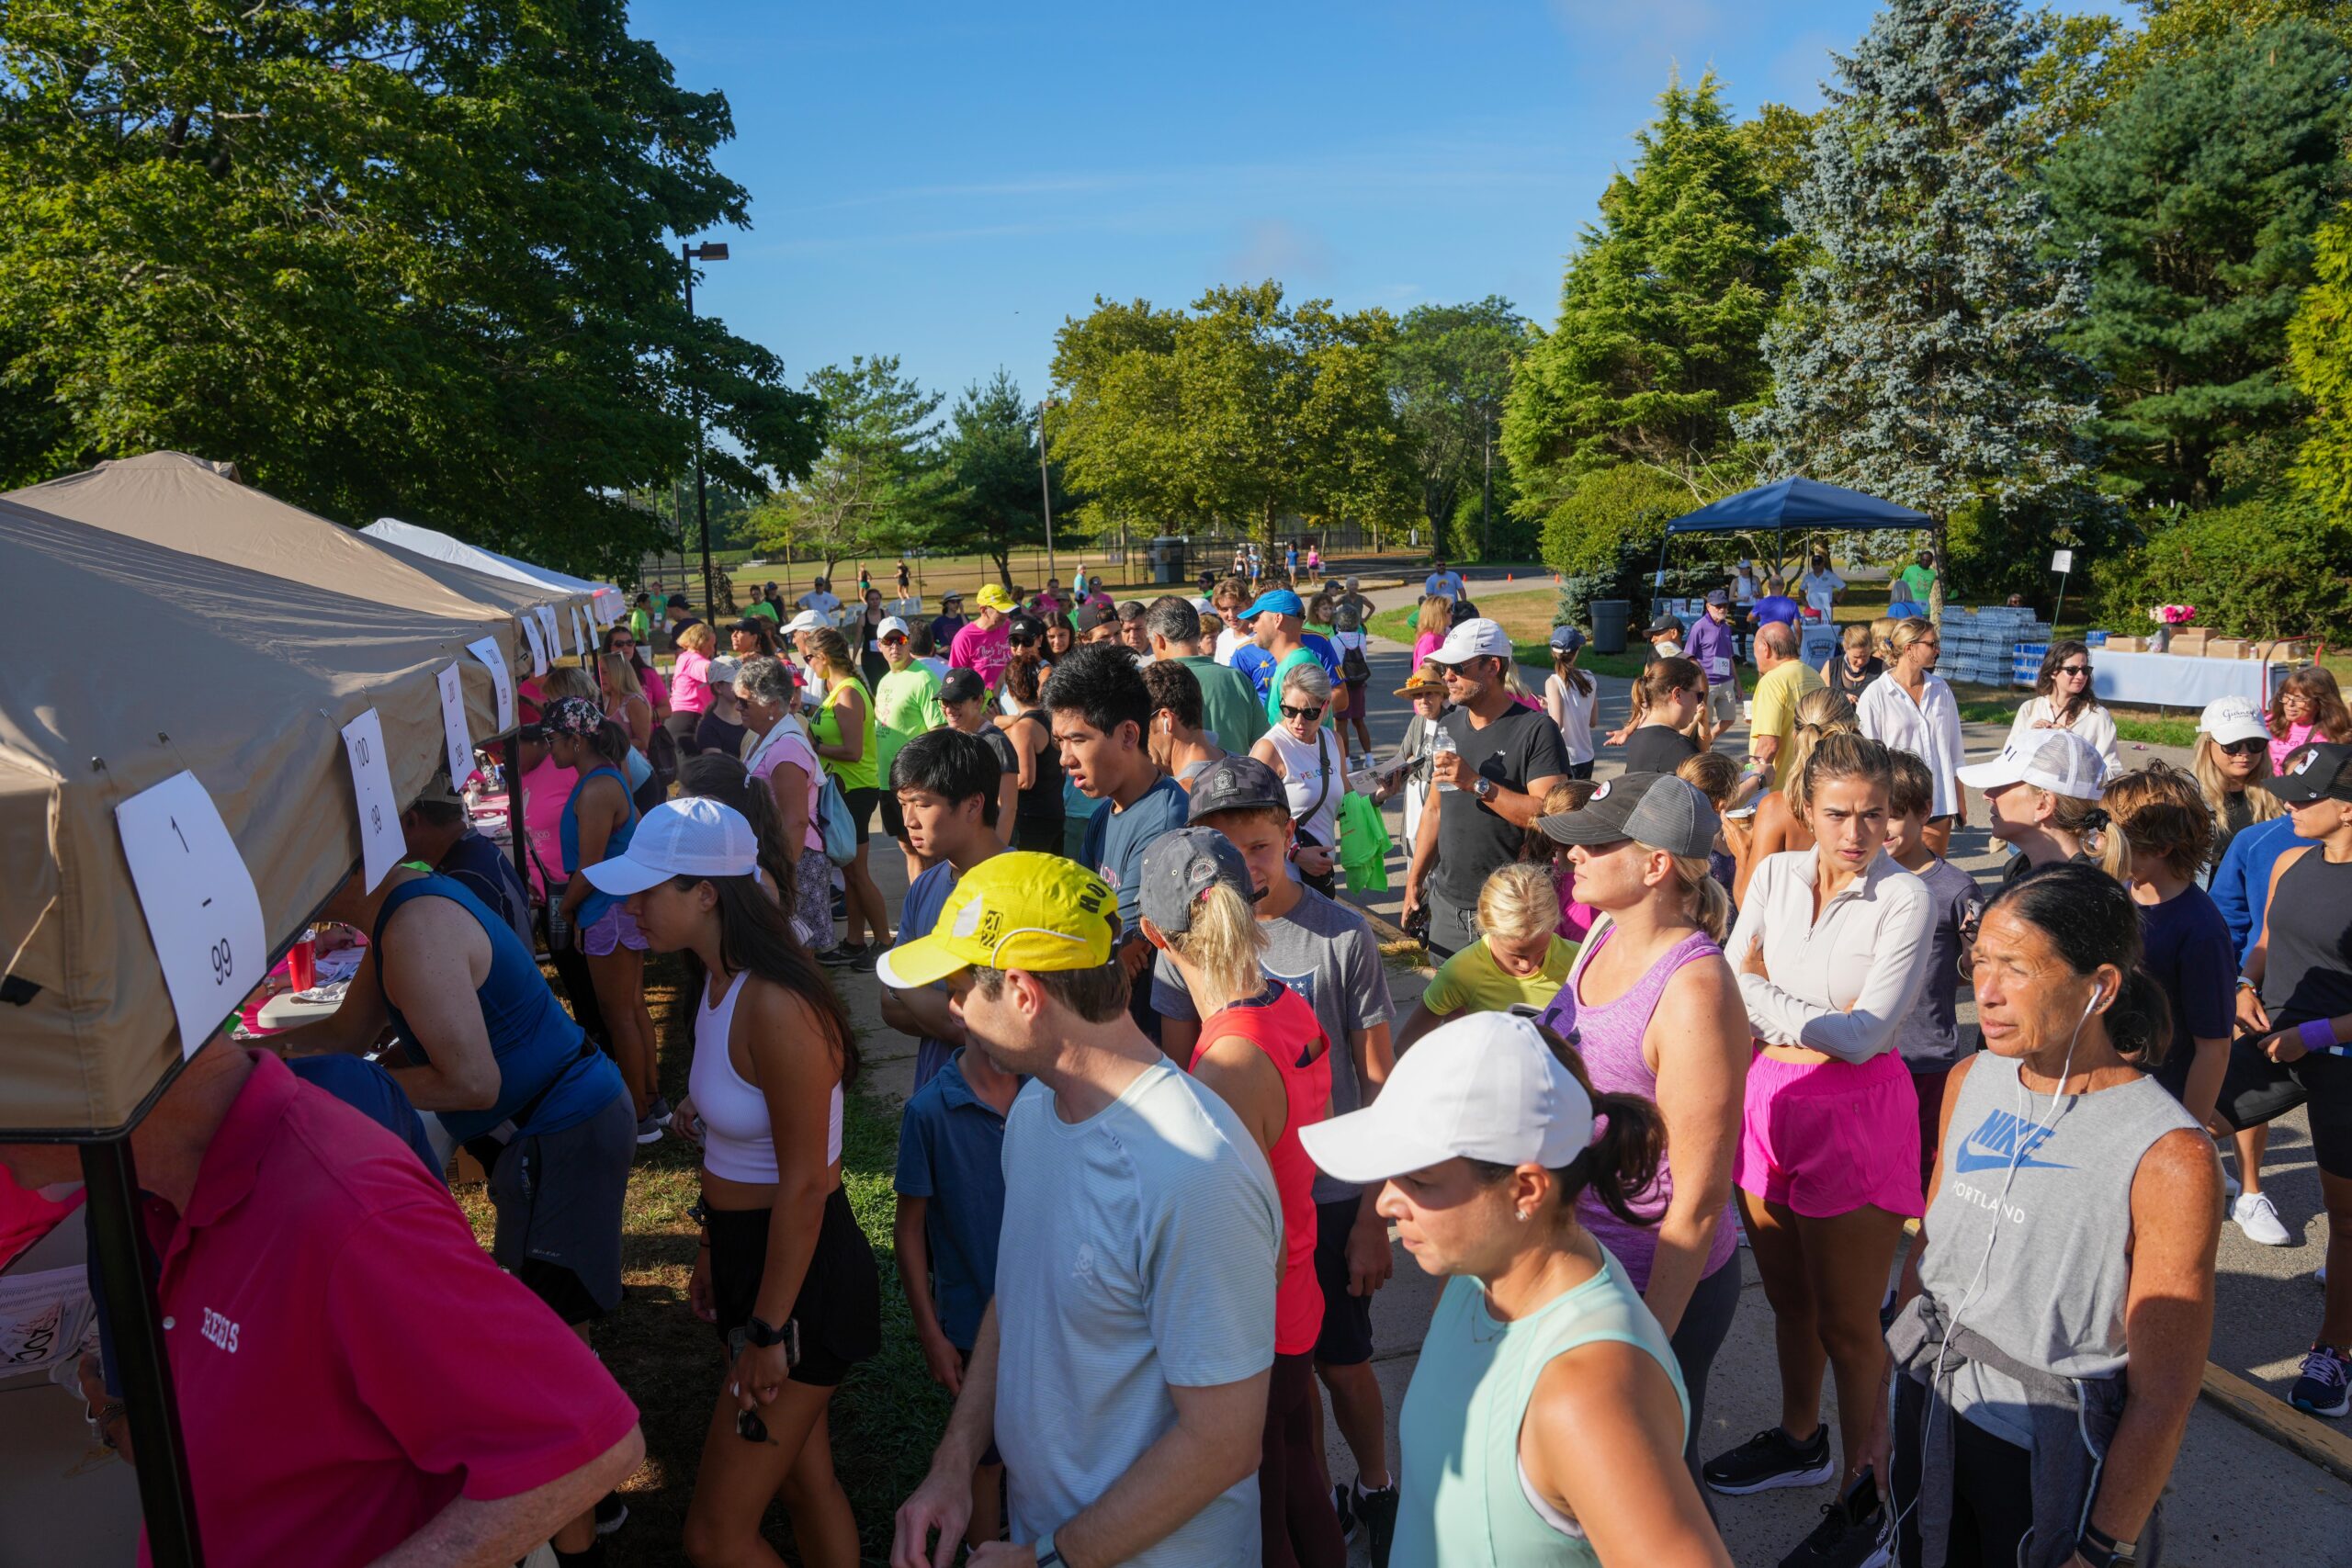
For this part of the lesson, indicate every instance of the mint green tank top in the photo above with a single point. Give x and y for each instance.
(1464, 1502)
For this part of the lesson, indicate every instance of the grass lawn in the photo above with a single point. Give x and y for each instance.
(1527, 616)
(886, 1417)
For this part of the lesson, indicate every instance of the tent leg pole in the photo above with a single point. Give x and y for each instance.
(513, 746)
(134, 1317)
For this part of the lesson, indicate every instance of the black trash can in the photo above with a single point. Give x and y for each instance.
(1609, 619)
(1167, 560)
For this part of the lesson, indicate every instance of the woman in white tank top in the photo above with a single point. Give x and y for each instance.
(783, 1271)
(1312, 764)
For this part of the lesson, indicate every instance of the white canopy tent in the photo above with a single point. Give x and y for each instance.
(442, 547)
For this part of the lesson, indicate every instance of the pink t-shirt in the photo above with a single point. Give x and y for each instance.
(656, 690)
(545, 789)
(985, 653)
(1425, 644)
(307, 1221)
(2297, 734)
(789, 742)
(690, 682)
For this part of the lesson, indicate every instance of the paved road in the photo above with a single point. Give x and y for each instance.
(2228, 1474)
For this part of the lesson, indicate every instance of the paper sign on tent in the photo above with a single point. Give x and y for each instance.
(500, 681)
(454, 734)
(203, 914)
(581, 635)
(538, 645)
(546, 614)
(381, 842)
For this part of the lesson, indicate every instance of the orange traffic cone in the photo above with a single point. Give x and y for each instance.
(1509, 576)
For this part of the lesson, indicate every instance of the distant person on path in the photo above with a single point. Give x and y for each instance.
(1435, 620)
(1132, 1415)
(1546, 1419)
(1711, 647)
(1669, 699)
(1495, 762)
(1743, 585)
(1571, 700)
(1776, 605)
(1822, 585)
(820, 598)
(980, 646)
(1853, 666)
(2306, 709)
(2233, 765)
(1912, 709)
(1920, 576)
(1444, 580)
(2062, 700)
(2295, 1013)
(947, 793)
(2058, 1303)
(1657, 1014)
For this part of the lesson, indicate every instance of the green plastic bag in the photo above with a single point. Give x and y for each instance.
(1363, 844)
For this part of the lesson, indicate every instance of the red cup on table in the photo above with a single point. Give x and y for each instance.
(302, 964)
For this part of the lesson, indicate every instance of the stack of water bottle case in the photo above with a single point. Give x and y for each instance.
(1995, 646)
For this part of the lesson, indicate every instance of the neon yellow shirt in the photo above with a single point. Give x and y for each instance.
(1471, 981)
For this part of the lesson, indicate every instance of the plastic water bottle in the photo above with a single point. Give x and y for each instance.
(1443, 743)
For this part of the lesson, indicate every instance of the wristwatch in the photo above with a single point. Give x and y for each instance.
(2101, 1550)
(1484, 789)
(1046, 1556)
(759, 1335)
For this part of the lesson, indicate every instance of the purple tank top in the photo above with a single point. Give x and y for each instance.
(1610, 1039)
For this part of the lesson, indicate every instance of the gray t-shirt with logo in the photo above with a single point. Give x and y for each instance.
(1141, 1249)
(1324, 951)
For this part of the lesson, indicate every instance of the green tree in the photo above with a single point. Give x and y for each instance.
(1449, 374)
(1921, 356)
(989, 464)
(2319, 342)
(404, 257)
(877, 487)
(2200, 193)
(1246, 414)
(1602, 536)
(1660, 311)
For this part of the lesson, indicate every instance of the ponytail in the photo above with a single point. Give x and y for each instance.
(1710, 906)
(2140, 1021)
(1627, 1150)
(1225, 943)
(2100, 836)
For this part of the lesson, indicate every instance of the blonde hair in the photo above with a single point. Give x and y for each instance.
(1856, 631)
(1820, 713)
(619, 679)
(1711, 774)
(830, 651)
(2159, 811)
(1882, 634)
(699, 638)
(1519, 903)
(569, 681)
(2215, 788)
(1441, 605)
(1225, 943)
(1905, 634)
(1709, 904)
(2100, 837)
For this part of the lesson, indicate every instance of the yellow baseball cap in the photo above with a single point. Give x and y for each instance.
(992, 596)
(1014, 910)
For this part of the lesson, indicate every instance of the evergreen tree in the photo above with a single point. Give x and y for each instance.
(990, 460)
(1660, 309)
(1920, 359)
(875, 489)
(1449, 374)
(2202, 190)
(2320, 341)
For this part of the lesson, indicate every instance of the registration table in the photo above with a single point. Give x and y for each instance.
(2175, 680)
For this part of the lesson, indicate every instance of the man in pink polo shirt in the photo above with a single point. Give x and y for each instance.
(982, 645)
(356, 1380)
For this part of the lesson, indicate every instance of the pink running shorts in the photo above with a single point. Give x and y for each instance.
(1827, 1138)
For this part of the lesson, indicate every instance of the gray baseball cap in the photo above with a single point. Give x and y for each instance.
(1657, 810)
(1179, 866)
(1236, 784)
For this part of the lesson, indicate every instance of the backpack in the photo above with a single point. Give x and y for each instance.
(835, 823)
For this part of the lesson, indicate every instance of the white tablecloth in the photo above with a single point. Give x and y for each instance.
(2175, 680)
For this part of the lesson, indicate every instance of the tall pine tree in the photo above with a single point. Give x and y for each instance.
(1660, 309)
(1920, 358)
(2202, 190)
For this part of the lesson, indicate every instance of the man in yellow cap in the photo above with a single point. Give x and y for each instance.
(982, 645)
(1123, 1367)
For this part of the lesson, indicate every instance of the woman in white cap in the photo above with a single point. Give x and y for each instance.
(2042, 798)
(784, 1273)
(1912, 709)
(1546, 1423)
(2232, 764)
(1655, 1012)
(2062, 700)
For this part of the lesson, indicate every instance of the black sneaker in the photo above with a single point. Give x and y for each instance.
(2324, 1388)
(611, 1513)
(1844, 1539)
(1377, 1510)
(1343, 1504)
(845, 955)
(1770, 1458)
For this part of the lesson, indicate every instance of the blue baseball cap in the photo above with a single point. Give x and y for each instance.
(1567, 640)
(1277, 601)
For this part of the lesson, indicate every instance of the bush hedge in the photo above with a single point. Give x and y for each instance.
(2260, 569)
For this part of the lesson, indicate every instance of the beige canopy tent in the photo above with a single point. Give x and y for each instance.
(129, 662)
(186, 503)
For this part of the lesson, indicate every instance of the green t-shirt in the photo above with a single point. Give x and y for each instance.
(1918, 578)
(906, 704)
(1471, 981)
(1229, 706)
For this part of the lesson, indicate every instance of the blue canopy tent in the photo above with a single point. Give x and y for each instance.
(1798, 504)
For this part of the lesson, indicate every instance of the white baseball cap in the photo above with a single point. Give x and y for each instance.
(693, 836)
(724, 672)
(892, 624)
(2056, 760)
(2231, 720)
(1476, 638)
(1486, 1087)
(806, 621)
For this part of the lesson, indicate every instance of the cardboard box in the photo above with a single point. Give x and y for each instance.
(2128, 644)
(2189, 639)
(2227, 648)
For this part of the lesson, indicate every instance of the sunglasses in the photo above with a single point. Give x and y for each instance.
(1021, 642)
(2083, 669)
(1290, 712)
(2245, 748)
(893, 638)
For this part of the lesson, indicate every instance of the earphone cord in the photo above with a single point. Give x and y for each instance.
(2059, 1101)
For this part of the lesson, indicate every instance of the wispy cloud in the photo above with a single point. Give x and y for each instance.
(1276, 247)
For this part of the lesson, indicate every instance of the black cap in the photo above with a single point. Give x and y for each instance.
(962, 686)
(1028, 627)
(1665, 626)
(1236, 784)
(2311, 773)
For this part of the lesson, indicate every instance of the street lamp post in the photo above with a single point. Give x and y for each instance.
(711, 251)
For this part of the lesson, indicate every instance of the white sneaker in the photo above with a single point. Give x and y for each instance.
(2260, 1221)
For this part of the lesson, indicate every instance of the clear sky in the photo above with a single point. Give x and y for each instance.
(949, 184)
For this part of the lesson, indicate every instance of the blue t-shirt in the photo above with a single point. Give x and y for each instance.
(1116, 840)
(2187, 952)
(539, 1050)
(1928, 1038)
(1776, 607)
(951, 1153)
(369, 1089)
(916, 917)
(2242, 885)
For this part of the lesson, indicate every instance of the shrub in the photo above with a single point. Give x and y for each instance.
(1610, 513)
(2261, 568)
